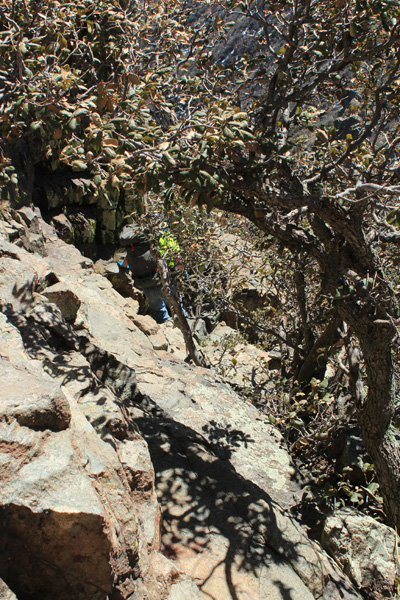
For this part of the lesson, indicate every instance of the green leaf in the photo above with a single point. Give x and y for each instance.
(169, 159)
(110, 152)
(373, 487)
(36, 125)
(79, 165)
(80, 111)
(393, 217)
(228, 133)
(356, 497)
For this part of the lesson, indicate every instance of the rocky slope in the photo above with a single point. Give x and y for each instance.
(100, 414)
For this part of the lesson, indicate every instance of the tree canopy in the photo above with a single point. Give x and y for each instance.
(285, 113)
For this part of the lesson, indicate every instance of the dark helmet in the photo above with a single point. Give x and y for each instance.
(132, 234)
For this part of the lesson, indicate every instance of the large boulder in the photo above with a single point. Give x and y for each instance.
(365, 549)
(57, 536)
(31, 400)
(64, 298)
(67, 525)
(240, 363)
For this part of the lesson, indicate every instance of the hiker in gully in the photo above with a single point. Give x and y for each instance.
(144, 267)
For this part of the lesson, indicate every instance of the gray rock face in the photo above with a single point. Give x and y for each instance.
(365, 549)
(65, 299)
(31, 400)
(79, 518)
(61, 501)
(73, 460)
(64, 228)
(225, 531)
(5, 592)
(232, 358)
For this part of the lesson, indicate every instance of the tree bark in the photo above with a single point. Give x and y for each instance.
(377, 409)
(177, 309)
(310, 368)
(301, 296)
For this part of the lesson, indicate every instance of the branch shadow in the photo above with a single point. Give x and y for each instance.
(99, 380)
(206, 505)
(224, 440)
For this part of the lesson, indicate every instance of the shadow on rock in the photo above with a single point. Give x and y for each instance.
(222, 529)
(223, 440)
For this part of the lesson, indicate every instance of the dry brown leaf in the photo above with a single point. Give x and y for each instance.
(133, 78)
(114, 181)
(110, 142)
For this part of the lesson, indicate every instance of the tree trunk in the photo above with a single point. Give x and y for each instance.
(376, 411)
(177, 309)
(300, 282)
(310, 367)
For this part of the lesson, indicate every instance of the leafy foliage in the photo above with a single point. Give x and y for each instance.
(78, 88)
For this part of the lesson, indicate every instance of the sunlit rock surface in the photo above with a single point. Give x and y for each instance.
(88, 389)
